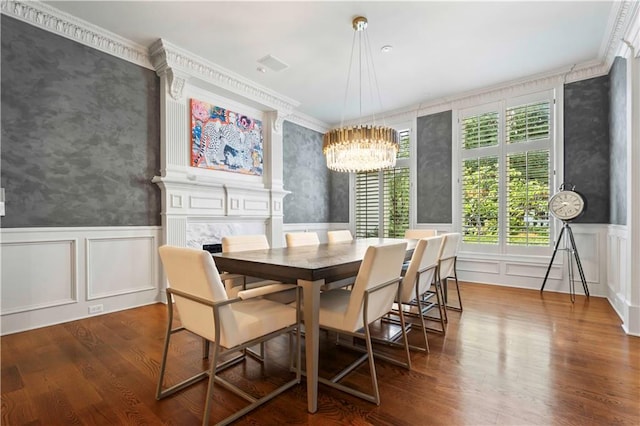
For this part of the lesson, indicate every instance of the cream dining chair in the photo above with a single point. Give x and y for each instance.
(231, 324)
(297, 239)
(417, 281)
(351, 312)
(335, 237)
(414, 234)
(339, 236)
(447, 262)
(239, 243)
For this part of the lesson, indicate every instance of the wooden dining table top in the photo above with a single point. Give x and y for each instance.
(314, 262)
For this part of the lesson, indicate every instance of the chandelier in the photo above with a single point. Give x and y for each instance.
(361, 148)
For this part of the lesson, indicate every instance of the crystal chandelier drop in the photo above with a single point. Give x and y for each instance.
(361, 148)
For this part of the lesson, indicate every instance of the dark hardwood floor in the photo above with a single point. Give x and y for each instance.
(513, 357)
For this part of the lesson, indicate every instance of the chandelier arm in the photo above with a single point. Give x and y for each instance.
(346, 89)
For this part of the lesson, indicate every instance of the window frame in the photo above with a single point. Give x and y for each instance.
(552, 144)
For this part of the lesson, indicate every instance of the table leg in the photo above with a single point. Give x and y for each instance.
(311, 297)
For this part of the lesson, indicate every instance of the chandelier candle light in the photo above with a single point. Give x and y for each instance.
(361, 148)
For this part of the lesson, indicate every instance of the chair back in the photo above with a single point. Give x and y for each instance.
(448, 250)
(381, 264)
(295, 239)
(339, 236)
(235, 243)
(415, 234)
(424, 255)
(194, 272)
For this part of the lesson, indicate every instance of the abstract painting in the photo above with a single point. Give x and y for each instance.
(222, 139)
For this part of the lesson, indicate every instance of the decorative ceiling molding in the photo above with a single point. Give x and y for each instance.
(631, 39)
(308, 122)
(182, 65)
(619, 23)
(512, 88)
(165, 56)
(53, 20)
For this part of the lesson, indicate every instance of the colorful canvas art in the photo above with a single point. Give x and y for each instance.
(225, 140)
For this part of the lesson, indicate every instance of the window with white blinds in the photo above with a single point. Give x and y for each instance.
(367, 204)
(382, 198)
(505, 173)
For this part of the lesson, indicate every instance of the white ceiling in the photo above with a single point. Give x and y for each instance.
(440, 49)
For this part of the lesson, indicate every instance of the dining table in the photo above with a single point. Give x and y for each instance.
(310, 267)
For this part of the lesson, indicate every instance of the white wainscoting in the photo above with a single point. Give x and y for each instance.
(529, 271)
(618, 280)
(54, 275)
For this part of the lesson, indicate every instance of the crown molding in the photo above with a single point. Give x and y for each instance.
(620, 21)
(308, 122)
(630, 45)
(53, 20)
(538, 82)
(166, 56)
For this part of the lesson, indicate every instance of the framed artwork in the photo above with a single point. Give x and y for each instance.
(222, 139)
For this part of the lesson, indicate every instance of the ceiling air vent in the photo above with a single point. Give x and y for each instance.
(273, 63)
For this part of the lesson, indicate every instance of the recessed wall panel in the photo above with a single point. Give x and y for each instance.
(38, 274)
(119, 266)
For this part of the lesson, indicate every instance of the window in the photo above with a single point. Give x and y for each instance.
(382, 198)
(505, 173)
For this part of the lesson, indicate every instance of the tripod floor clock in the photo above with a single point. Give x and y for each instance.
(567, 205)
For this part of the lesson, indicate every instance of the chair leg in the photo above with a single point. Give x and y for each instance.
(205, 348)
(212, 376)
(160, 393)
(163, 364)
(455, 275)
(372, 365)
(442, 311)
(404, 334)
(454, 308)
(422, 323)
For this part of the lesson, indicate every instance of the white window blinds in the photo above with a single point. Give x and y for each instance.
(382, 198)
(505, 173)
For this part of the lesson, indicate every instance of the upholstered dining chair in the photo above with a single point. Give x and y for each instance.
(414, 234)
(351, 312)
(231, 324)
(339, 236)
(238, 243)
(447, 261)
(417, 281)
(296, 239)
(335, 237)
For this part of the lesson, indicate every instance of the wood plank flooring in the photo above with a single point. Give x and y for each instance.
(513, 357)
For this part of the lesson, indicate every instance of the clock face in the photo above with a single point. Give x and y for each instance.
(566, 205)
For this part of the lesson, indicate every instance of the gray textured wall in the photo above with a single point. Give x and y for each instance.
(339, 197)
(434, 168)
(586, 144)
(80, 134)
(317, 195)
(618, 147)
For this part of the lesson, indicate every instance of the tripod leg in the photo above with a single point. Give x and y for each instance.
(580, 270)
(555, 250)
(572, 284)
